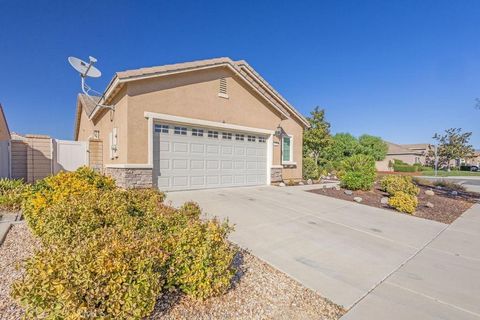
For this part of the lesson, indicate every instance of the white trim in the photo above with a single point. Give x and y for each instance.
(290, 161)
(269, 159)
(150, 141)
(205, 123)
(277, 166)
(129, 166)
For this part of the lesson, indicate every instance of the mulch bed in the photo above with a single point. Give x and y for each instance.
(258, 290)
(446, 207)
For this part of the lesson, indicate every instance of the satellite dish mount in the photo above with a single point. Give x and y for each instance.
(88, 70)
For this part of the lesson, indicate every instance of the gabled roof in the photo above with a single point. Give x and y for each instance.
(396, 149)
(3, 119)
(240, 68)
(86, 105)
(416, 146)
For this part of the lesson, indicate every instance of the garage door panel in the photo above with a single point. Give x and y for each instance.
(197, 181)
(194, 162)
(197, 148)
(213, 180)
(197, 164)
(212, 149)
(212, 164)
(180, 181)
(180, 147)
(180, 164)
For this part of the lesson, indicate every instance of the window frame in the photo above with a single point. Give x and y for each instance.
(226, 135)
(251, 138)
(182, 131)
(290, 161)
(197, 132)
(212, 134)
(162, 128)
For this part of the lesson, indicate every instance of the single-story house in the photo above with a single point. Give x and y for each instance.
(4, 130)
(408, 153)
(4, 146)
(203, 124)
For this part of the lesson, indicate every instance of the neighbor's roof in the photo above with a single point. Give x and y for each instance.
(422, 146)
(2, 116)
(396, 149)
(241, 68)
(87, 105)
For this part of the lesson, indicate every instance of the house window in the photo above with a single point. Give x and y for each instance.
(251, 138)
(262, 139)
(180, 130)
(226, 135)
(161, 128)
(197, 132)
(213, 134)
(239, 137)
(287, 149)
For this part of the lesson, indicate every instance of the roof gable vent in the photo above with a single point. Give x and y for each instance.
(222, 92)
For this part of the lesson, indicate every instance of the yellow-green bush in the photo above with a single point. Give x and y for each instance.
(403, 202)
(397, 183)
(63, 186)
(91, 231)
(12, 194)
(110, 275)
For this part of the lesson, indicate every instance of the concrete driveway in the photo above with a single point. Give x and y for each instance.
(346, 251)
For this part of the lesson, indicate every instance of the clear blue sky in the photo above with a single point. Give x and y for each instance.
(401, 69)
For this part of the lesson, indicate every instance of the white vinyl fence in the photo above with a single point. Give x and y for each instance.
(4, 159)
(69, 155)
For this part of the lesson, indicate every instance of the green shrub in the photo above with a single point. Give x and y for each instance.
(109, 253)
(449, 185)
(398, 162)
(358, 172)
(110, 275)
(396, 183)
(403, 202)
(11, 194)
(310, 169)
(404, 168)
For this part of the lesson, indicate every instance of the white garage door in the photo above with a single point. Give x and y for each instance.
(197, 158)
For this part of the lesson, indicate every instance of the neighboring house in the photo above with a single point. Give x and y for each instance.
(4, 130)
(408, 153)
(203, 124)
(475, 160)
(4, 146)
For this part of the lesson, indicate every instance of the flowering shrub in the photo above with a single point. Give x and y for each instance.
(396, 183)
(403, 202)
(109, 253)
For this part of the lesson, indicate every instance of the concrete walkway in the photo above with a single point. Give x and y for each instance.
(441, 282)
(341, 249)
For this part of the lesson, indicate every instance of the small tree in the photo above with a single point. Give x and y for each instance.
(317, 137)
(373, 146)
(453, 145)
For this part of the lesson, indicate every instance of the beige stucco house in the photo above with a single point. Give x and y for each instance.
(203, 124)
(408, 153)
(4, 130)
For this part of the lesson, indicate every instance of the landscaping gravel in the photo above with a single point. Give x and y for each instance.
(258, 291)
(18, 245)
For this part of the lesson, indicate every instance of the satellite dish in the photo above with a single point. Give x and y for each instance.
(85, 69)
(88, 70)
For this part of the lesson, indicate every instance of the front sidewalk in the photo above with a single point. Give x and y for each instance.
(441, 282)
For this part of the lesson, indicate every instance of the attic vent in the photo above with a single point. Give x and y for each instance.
(223, 88)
